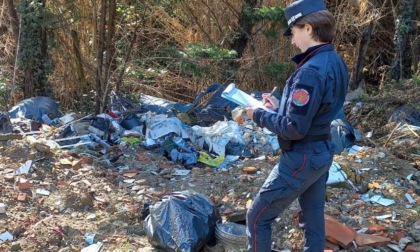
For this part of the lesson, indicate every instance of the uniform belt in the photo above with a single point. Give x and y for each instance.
(313, 138)
(286, 145)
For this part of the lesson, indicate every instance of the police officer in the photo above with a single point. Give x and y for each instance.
(311, 98)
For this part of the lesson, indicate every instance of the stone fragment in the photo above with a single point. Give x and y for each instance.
(338, 233)
(371, 240)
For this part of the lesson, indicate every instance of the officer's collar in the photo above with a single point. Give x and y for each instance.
(301, 58)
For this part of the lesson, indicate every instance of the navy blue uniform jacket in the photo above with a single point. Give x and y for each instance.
(311, 98)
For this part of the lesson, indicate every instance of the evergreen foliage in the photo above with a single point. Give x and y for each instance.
(34, 58)
(403, 26)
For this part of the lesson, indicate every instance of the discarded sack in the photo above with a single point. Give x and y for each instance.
(34, 108)
(216, 109)
(342, 133)
(409, 115)
(182, 222)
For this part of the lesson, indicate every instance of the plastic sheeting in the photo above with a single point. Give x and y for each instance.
(34, 108)
(342, 133)
(410, 115)
(183, 221)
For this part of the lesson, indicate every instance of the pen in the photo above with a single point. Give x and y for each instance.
(272, 92)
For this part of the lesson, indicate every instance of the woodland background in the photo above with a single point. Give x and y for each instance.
(78, 51)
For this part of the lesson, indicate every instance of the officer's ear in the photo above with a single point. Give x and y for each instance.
(308, 28)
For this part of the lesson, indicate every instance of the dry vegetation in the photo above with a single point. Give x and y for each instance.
(154, 66)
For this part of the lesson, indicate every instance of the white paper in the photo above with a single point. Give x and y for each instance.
(180, 172)
(93, 248)
(383, 217)
(241, 98)
(42, 192)
(166, 126)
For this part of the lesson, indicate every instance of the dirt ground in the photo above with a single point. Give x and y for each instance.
(92, 193)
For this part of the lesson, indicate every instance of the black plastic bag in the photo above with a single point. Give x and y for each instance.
(5, 124)
(182, 222)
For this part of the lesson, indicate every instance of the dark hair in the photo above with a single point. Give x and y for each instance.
(323, 25)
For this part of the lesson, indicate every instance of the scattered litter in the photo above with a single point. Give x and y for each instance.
(229, 159)
(205, 158)
(2, 208)
(385, 216)
(89, 237)
(409, 198)
(166, 126)
(260, 158)
(42, 192)
(405, 241)
(337, 174)
(380, 200)
(218, 135)
(394, 247)
(225, 144)
(93, 248)
(25, 168)
(67, 118)
(6, 236)
(355, 148)
(363, 231)
(180, 172)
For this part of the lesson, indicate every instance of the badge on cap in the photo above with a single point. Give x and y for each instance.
(300, 97)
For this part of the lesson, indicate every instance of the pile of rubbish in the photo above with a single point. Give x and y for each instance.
(215, 136)
(76, 186)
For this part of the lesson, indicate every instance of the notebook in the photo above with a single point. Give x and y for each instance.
(241, 98)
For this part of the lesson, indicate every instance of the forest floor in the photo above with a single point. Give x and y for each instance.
(84, 194)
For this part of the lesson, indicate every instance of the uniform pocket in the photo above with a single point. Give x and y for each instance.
(294, 183)
(320, 161)
(292, 163)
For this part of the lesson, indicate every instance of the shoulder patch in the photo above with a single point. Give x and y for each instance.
(300, 97)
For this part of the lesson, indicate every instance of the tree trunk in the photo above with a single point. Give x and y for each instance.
(401, 66)
(28, 80)
(415, 47)
(14, 20)
(362, 47)
(415, 52)
(41, 85)
(244, 28)
(35, 56)
(79, 61)
(110, 52)
(100, 56)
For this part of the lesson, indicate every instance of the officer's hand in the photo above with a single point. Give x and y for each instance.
(250, 111)
(270, 102)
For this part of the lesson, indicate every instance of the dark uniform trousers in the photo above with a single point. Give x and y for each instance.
(302, 173)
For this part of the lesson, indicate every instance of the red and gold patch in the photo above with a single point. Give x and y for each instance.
(300, 97)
